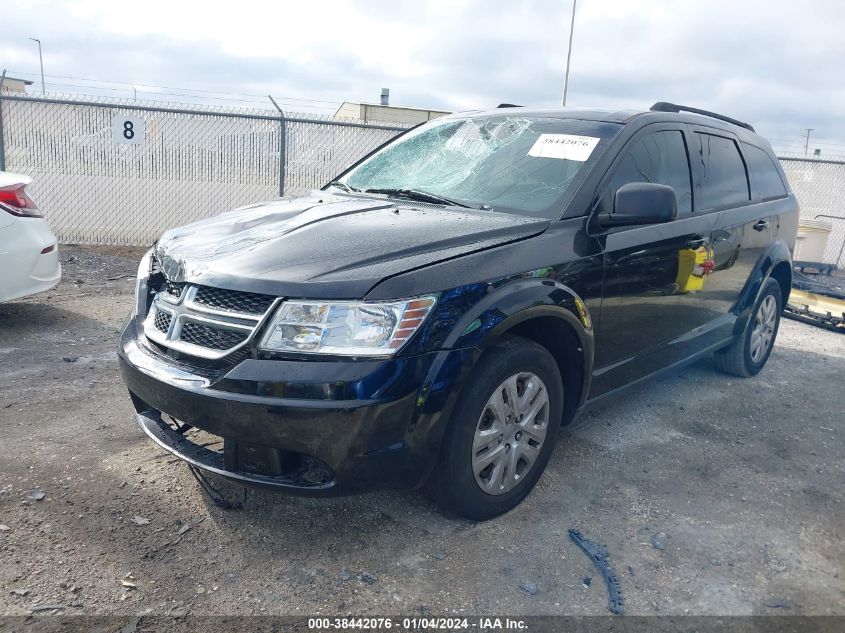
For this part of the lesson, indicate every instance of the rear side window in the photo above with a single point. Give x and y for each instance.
(723, 180)
(659, 157)
(766, 182)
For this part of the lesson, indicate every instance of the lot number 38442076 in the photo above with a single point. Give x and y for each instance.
(128, 130)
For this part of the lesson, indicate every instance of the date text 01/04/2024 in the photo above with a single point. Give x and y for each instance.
(417, 624)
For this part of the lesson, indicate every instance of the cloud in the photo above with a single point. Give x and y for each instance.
(776, 65)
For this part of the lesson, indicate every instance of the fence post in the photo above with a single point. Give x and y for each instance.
(2, 140)
(282, 146)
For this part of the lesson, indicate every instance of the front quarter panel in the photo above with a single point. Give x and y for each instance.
(467, 331)
(516, 301)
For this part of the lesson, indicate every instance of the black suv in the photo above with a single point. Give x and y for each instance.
(435, 314)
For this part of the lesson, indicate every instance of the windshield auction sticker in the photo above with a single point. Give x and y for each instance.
(564, 146)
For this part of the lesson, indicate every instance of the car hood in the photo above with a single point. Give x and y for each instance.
(329, 246)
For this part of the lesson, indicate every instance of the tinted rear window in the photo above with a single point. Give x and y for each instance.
(723, 181)
(766, 182)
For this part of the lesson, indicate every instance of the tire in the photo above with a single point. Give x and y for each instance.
(480, 431)
(743, 358)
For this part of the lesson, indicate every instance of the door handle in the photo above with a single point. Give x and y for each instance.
(761, 225)
(695, 243)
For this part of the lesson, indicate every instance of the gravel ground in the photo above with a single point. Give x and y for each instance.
(713, 495)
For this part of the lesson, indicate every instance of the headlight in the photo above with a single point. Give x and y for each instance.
(348, 328)
(141, 278)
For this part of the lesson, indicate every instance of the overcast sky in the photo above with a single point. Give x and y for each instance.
(779, 65)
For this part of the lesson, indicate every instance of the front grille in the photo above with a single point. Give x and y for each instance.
(173, 288)
(239, 356)
(210, 337)
(205, 322)
(162, 320)
(233, 300)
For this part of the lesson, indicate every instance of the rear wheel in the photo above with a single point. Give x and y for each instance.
(749, 353)
(502, 432)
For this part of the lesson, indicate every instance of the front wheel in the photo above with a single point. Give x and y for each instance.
(747, 355)
(502, 431)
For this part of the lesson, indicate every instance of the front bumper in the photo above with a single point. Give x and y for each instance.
(311, 427)
(203, 457)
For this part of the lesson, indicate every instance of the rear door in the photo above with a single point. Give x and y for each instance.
(651, 306)
(744, 223)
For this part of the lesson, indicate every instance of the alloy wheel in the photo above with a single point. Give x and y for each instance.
(762, 336)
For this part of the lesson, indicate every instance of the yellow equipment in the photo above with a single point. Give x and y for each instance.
(693, 266)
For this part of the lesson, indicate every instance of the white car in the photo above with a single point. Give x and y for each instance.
(29, 252)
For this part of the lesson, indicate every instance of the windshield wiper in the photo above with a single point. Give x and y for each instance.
(420, 196)
(342, 185)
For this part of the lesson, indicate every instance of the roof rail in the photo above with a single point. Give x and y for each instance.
(663, 106)
(508, 105)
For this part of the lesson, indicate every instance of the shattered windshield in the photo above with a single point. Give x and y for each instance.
(507, 163)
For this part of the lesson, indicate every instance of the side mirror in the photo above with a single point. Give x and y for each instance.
(641, 203)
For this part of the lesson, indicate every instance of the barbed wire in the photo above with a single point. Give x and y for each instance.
(130, 85)
(834, 158)
(192, 93)
(235, 110)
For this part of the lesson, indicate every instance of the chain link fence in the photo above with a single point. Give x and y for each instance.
(122, 172)
(819, 185)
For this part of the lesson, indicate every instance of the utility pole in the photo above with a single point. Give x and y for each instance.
(2, 147)
(569, 53)
(40, 61)
(807, 141)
